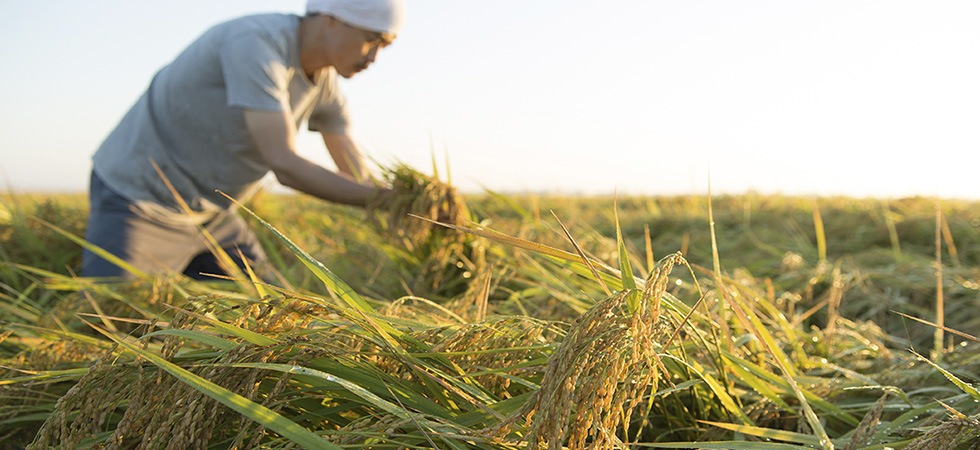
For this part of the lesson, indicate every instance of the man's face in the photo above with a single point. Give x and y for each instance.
(355, 49)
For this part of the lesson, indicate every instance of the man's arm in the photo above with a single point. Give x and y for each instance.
(347, 156)
(276, 139)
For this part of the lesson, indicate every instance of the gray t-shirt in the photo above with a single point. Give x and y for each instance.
(190, 122)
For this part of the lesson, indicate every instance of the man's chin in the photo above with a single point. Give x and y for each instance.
(350, 73)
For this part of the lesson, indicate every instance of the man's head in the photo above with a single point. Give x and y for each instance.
(347, 34)
(381, 16)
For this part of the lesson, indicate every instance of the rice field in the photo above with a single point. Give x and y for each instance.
(735, 322)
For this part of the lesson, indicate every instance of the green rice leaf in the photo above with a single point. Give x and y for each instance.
(329, 279)
(757, 384)
(96, 250)
(50, 376)
(204, 338)
(231, 330)
(720, 445)
(768, 433)
(904, 421)
(583, 255)
(378, 382)
(19, 308)
(716, 387)
(964, 386)
(629, 282)
(786, 365)
(62, 282)
(350, 386)
(768, 380)
(27, 418)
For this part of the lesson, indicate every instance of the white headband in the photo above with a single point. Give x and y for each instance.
(382, 16)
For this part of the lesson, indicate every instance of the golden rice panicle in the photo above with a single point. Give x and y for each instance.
(82, 411)
(518, 339)
(601, 371)
(954, 433)
(145, 408)
(415, 193)
(866, 429)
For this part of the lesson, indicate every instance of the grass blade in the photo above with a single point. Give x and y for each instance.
(821, 236)
(329, 279)
(629, 282)
(98, 251)
(964, 386)
(767, 433)
(582, 255)
(204, 338)
(721, 445)
(351, 387)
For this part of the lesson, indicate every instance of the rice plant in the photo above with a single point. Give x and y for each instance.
(809, 333)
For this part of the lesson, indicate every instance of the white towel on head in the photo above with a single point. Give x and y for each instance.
(382, 16)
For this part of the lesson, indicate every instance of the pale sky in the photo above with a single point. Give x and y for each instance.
(860, 98)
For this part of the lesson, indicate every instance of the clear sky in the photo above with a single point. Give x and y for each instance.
(861, 98)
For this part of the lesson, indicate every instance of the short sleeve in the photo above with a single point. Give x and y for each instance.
(256, 73)
(330, 115)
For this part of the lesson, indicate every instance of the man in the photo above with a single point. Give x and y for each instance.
(217, 119)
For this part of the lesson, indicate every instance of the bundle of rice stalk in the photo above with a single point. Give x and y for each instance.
(601, 371)
(446, 258)
(418, 194)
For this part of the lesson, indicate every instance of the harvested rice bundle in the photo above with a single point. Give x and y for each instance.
(445, 258)
(417, 194)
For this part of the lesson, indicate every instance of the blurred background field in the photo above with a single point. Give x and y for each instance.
(804, 334)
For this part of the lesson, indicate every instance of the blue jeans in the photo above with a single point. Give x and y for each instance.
(116, 225)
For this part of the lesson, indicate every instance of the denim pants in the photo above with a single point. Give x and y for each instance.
(116, 225)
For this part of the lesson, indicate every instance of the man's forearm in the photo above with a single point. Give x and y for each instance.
(275, 138)
(308, 177)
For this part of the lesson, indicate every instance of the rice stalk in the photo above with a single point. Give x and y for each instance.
(821, 236)
(892, 230)
(948, 239)
(648, 245)
(939, 336)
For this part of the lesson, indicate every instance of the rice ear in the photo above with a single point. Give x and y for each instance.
(603, 369)
(446, 259)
